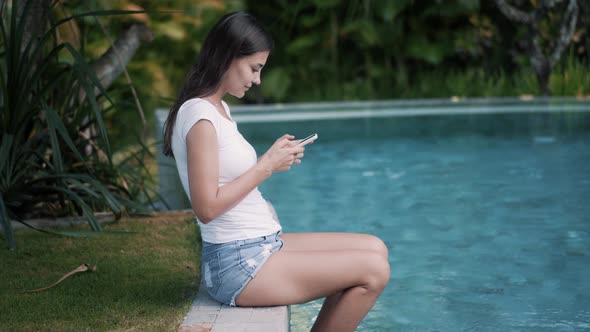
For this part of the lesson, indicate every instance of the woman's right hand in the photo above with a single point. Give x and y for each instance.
(281, 155)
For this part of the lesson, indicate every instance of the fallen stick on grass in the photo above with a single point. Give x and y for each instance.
(81, 268)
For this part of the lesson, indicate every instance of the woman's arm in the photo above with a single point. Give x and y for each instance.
(207, 198)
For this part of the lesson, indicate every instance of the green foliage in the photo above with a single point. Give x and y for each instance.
(327, 50)
(348, 50)
(570, 77)
(330, 50)
(55, 155)
(159, 68)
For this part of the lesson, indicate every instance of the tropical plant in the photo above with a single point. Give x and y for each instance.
(352, 49)
(55, 155)
(159, 70)
(341, 49)
(550, 27)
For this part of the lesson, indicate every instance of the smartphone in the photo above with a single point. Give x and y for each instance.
(308, 140)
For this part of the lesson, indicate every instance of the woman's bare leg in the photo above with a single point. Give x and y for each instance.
(332, 241)
(315, 265)
(327, 309)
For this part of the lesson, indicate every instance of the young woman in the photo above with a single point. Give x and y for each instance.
(246, 260)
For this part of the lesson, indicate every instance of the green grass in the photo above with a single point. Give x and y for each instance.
(145, 280)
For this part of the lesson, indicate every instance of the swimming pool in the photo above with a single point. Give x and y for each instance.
(485, 209)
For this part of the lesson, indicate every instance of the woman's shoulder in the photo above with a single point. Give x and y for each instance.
(195, 103)
(197, 106)
(194, 110)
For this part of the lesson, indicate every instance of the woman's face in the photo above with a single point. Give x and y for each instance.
(244, 72)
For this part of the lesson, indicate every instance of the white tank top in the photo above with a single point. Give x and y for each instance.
(251, 217)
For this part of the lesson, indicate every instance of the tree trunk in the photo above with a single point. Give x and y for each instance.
(112, 63)
(542, 69)
(541, 62)
(107, 68)
(538, 60)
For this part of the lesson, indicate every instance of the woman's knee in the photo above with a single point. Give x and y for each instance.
(376, 244)
(377, 271)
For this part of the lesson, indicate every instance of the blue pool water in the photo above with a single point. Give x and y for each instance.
(486, 216)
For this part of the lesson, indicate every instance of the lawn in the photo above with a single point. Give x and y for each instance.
(145, 279)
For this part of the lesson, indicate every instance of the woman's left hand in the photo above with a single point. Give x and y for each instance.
(296, 156)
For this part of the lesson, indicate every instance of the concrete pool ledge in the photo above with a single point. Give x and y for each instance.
(262, 113)
(207, 315)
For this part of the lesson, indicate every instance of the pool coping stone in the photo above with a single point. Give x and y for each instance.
(207, 315)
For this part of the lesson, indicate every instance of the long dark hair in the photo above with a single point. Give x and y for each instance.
(235, 35)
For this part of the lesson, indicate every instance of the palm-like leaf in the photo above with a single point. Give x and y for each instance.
(55, 156)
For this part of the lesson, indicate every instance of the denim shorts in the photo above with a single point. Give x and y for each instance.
(228, 267)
